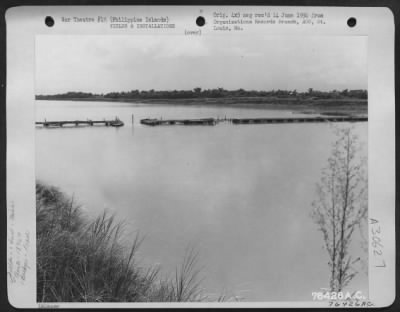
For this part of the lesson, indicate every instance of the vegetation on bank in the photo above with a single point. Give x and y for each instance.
(341, 207)
(198, 93)
(83, 260)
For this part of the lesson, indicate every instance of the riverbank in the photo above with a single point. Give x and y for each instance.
(347, 107)
(84, 260)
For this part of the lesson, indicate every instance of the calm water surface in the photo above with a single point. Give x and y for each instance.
(241, 194)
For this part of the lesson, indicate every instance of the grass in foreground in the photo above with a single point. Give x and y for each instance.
(82, 260)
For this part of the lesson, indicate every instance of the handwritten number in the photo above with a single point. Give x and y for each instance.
(377, 231)
(383, 265)
(378, 252)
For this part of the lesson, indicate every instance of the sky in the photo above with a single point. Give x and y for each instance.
(101, 64)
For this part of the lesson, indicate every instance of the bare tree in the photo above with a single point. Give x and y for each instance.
(341, 205)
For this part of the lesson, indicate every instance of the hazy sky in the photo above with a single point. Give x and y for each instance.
(103, 64)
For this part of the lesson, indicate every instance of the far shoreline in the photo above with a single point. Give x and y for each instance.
(348, 106)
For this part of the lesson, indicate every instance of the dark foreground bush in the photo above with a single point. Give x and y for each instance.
(85, 260)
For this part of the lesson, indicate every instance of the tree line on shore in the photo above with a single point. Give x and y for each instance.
(211, 93)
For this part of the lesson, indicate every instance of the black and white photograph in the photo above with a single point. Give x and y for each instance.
(200, 157)
(225, 168)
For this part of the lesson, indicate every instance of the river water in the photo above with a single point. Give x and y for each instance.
(240, 194)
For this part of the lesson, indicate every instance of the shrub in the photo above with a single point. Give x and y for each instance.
(79, 260)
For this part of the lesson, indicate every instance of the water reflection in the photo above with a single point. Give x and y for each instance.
(242, 194)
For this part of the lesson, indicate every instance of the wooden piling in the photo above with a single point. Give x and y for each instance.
(279, 120)
(76, 123)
